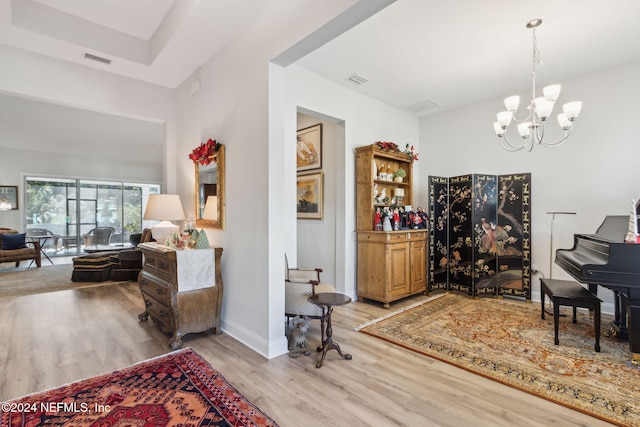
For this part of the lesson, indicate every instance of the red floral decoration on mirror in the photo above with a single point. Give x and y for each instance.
(202, 154)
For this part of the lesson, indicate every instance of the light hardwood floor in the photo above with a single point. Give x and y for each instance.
(55, 338)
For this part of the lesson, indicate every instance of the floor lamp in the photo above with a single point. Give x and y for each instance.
(553, 218)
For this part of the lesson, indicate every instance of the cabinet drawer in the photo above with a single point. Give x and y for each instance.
(160, 313)
(160, 266)
(391, 236)
(155, 289)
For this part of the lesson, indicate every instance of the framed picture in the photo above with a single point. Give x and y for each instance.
(8, 197)
(309, 148)
(309, 196)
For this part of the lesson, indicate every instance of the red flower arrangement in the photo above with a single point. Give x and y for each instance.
(202, 154)
(391, 146)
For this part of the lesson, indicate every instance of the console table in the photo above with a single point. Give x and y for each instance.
(182, 289)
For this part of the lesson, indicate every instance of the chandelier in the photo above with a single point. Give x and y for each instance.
(531, 127)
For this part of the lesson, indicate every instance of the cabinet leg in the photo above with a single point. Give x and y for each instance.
(386, 305)
(175, 342)
(143, 316)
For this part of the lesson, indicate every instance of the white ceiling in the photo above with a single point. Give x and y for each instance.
(424, 56)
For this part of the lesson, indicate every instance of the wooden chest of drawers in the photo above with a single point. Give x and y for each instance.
(182, 290)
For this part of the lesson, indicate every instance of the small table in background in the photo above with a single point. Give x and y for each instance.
(327, 301)
(41, 240)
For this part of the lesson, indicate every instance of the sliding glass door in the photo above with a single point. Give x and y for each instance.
(70, 211)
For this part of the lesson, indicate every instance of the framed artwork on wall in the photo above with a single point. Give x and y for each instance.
(309, 148)
(309, 196)
(8, 197)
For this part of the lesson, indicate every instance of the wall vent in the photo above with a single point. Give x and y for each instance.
(97, 58)
(357, 79)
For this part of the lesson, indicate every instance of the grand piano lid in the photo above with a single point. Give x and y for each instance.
(614, 228)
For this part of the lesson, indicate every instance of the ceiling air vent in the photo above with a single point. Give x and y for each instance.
(357, 79)
(97, 58)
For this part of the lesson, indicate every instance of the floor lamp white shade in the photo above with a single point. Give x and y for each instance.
(164, 208)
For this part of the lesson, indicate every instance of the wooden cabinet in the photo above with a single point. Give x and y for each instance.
(182, 289)
(391, 264)
(370, 162)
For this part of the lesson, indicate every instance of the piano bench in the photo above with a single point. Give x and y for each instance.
(573, 294)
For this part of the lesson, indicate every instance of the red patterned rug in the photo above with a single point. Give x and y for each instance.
(508, 342)
(177, 389)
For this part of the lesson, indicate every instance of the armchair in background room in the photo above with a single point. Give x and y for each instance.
(300, 284)
(15, 248)
(98, 236)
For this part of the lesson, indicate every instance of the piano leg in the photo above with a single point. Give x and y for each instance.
(633, 304)
(618, 328)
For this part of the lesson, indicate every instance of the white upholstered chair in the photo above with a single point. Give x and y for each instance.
(300, 284)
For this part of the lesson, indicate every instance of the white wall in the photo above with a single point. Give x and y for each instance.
(37, 77)
(316, 239)
(593, 174)
(365, 122)
(241, 105)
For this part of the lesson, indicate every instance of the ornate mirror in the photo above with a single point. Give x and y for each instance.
(210, 192)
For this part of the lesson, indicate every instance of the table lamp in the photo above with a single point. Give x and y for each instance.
(164, 208)
(211, 208)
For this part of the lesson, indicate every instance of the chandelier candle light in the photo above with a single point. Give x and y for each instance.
(531, 128)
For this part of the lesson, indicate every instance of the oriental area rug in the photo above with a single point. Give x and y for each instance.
(177, 389)
(507, 341)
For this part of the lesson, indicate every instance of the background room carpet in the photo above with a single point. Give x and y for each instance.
(179, 389)
(507, 341)
(50, 278)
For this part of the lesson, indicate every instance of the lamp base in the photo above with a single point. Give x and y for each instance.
(163, 230)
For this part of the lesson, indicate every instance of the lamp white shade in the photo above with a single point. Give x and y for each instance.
(511, 103)
(211, 208)
(563, 121)
(504, 118)
(164, 208)
(543, 108)
(398, 192)
(551, 93)
(572, 109)
(524, 129)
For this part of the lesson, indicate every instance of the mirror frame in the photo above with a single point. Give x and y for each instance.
(209, 223)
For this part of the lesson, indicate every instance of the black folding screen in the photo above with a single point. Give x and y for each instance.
(480, 234)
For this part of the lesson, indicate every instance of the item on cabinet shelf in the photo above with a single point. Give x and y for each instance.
(404, 217)
(386, 222)
(396, 219)
(418, 219)
(398, 193)
(399, 175)
(377, 226)
(382, 173)
(389, 173)
(182, 290)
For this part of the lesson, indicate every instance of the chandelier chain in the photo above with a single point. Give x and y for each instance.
(537, 59)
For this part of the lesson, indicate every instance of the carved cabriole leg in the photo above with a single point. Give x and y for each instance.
(176, 341)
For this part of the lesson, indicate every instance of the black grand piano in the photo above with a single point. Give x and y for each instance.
(604, 259)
